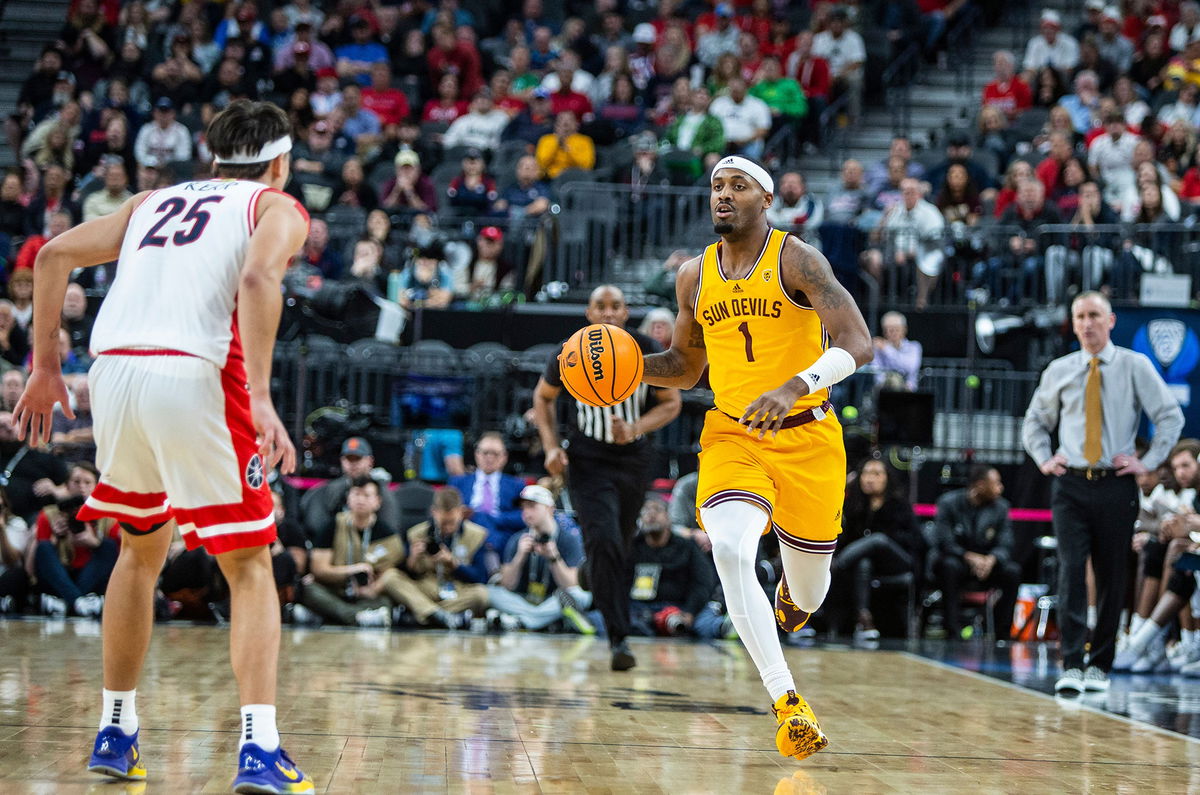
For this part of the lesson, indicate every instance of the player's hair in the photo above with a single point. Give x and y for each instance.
(1185, 446)
(363, 481)
(979, 472)
(245, 126)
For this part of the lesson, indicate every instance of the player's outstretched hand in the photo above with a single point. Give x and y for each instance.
(34, 413)
(770, 409)
(274, 444)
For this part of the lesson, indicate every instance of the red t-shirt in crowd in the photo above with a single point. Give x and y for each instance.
(390, 105)
(1190, 189)
(1011, 97)
(436, 111)
(571, 101)
(463, 61)
(1048, 172)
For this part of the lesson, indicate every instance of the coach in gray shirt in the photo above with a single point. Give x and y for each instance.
(1095, 398)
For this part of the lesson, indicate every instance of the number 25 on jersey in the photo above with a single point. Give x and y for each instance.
(190, 227)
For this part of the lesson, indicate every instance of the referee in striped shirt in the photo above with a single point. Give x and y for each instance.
(610, 457)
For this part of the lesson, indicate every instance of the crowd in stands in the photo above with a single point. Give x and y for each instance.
(431, 145)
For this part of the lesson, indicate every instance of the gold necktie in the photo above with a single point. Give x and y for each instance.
(1093, 413)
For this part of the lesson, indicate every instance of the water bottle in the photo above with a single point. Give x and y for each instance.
(393, 286)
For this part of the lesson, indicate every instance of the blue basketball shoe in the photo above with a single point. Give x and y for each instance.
(116, 754)
(270, 772)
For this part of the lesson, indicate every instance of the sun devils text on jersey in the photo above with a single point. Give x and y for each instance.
(754, 332)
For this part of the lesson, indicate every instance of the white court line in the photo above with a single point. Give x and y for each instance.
(1076, 703)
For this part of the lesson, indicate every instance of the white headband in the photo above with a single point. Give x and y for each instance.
(268, 152)
(747, 167)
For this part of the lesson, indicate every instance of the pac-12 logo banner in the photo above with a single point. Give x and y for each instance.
(1168, 338)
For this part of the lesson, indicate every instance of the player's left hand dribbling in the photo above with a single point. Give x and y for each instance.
(34, 412)
(770, 409)
(274, 444)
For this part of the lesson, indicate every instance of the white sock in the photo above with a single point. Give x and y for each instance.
(1091, 616)
(734, 529)
(1138, 641)
(258, 726)
(120, 710)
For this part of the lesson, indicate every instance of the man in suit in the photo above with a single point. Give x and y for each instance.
(493, 496)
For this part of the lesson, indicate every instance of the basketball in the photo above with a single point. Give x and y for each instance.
(601, 365)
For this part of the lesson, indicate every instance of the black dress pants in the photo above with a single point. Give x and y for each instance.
(1092, 518)
(608, 496)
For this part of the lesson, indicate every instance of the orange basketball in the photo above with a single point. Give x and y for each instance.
(601, 365)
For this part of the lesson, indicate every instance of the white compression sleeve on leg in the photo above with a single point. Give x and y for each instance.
(808, 577)
(835, 364)
(734, 528)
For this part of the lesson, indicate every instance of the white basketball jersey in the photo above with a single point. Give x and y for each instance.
(178, 274)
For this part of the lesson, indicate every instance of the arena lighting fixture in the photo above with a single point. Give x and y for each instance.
(989, 326)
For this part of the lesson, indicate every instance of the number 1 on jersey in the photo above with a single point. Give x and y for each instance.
(745, 329)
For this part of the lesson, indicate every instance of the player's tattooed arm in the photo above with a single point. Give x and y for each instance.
(806, 271)
(682, 364)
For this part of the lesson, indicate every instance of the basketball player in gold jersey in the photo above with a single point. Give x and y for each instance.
(763, 310)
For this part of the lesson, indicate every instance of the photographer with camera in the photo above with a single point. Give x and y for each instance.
(321, 504)
(72, 560)
(353, 568)
(446, 569)
(673, 581)
(539, 581)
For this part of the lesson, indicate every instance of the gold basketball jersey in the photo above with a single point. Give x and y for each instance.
(756, 335)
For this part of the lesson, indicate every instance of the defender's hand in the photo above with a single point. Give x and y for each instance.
(34, 413)
(274, 444)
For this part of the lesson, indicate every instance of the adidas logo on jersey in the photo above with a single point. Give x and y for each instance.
(737, 288)
(816, 379)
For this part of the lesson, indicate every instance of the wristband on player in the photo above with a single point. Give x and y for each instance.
(835, 364)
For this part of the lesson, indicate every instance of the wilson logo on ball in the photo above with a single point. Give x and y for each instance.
(601, 365)
(595, 351)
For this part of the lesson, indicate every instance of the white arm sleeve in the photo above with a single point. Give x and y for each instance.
(834, 365)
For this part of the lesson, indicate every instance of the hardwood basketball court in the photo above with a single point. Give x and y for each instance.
(377, 712)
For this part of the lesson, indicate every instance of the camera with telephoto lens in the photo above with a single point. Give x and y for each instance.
(69, 507)
(433, 542)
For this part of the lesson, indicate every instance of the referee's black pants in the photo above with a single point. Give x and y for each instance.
(1092, 518)
(608, 495)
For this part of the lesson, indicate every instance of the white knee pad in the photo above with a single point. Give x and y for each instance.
(808, 577)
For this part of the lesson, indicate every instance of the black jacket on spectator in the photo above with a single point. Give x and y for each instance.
(1029, 226)
(12, 218)
(895, 519)
(525, 128)
(679, 572)
(321, 504)
(31, 467)
(962, 527)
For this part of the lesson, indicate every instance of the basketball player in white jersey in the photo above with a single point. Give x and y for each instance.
(184, 424)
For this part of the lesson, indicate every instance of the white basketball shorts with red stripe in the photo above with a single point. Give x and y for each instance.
(174, 438)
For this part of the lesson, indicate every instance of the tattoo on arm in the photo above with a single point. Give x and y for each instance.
(817, 280)
(664, 365)
(696, 340)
